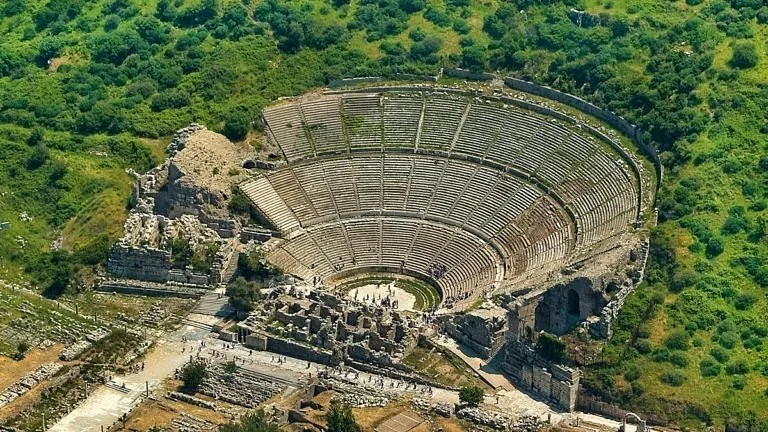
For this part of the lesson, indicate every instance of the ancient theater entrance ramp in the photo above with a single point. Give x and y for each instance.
(403, 422)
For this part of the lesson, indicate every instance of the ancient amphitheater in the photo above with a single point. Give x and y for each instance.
(473, 193)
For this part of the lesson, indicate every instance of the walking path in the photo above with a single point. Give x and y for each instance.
(107, 404)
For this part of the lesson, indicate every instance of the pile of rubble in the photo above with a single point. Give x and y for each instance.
(183, 397)
(74, 350)
(189, 423)
(25, 383)
(242, 387)
(324, 320)
(154, 315)
(482, 417)
(527, 424)
(361, 400)
(179, 140)
(443, 409)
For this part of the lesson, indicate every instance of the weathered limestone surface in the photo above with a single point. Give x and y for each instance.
(484, 329)
(556, 383)
(319, 326)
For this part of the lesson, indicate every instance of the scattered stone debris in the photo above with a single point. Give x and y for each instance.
(337, 328)
(28, 381)
(183, 397)
(72, 351)
(482, 417)
(188, 423)
(243, 388)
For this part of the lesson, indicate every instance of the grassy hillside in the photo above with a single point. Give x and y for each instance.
(91, 87)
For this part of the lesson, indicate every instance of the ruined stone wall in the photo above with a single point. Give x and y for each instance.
(143, 263)
(293, 349)
(556, 383)
(603, 328)
(483, 330)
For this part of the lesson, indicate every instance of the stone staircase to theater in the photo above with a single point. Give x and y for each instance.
(213, 304)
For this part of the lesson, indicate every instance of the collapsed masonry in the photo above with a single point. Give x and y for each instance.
(180, 230)
(317, 325)
(592, 300)
(510, 333)
(483, 329)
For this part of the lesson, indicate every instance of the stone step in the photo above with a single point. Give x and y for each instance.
(197, 324)
(266, 377)
(114, 386)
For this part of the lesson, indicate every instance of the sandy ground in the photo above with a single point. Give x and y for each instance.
(11, 370)
(106, 405)
(373, 294)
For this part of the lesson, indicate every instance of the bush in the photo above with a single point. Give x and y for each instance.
(674, 378)
(632, 373)
(753, 342)
(739, 382)
(719, 354)
(551, 347)
(38, 157)
(678, 340)
(242, 294)
(715, 247)
(236, 125)
(678, 359)
(745, 301)
(193, 375)
(340, 419)
(737, 367)
(471, 395)
(728, 340)
(251, 422)
(744, 55)
(643, 346)
(661, 355)
(709, 367)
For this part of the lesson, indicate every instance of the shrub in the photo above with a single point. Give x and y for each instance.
(745, 301)
(236, 126)
(551, 347)
(340, 419)
(678, 340)
(251, 422)
(753, 342)
(471, 395)
(739, 382)
(643, 346)
(193, 375)
(38, 157)
(632, 373)
(674, 378)
(709, 367)
(660, 355)
(728, 340)
(715, 247)
(679, 359)
(737, 367)
(744, 55)
(719, 354)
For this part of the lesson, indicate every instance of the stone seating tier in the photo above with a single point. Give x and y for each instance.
(502, 191)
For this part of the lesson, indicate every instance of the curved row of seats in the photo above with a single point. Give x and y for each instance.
(399, 244)
(412, 180)
(592, 180)
(460, 192)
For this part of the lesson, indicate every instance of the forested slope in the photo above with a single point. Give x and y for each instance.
(91, 87)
